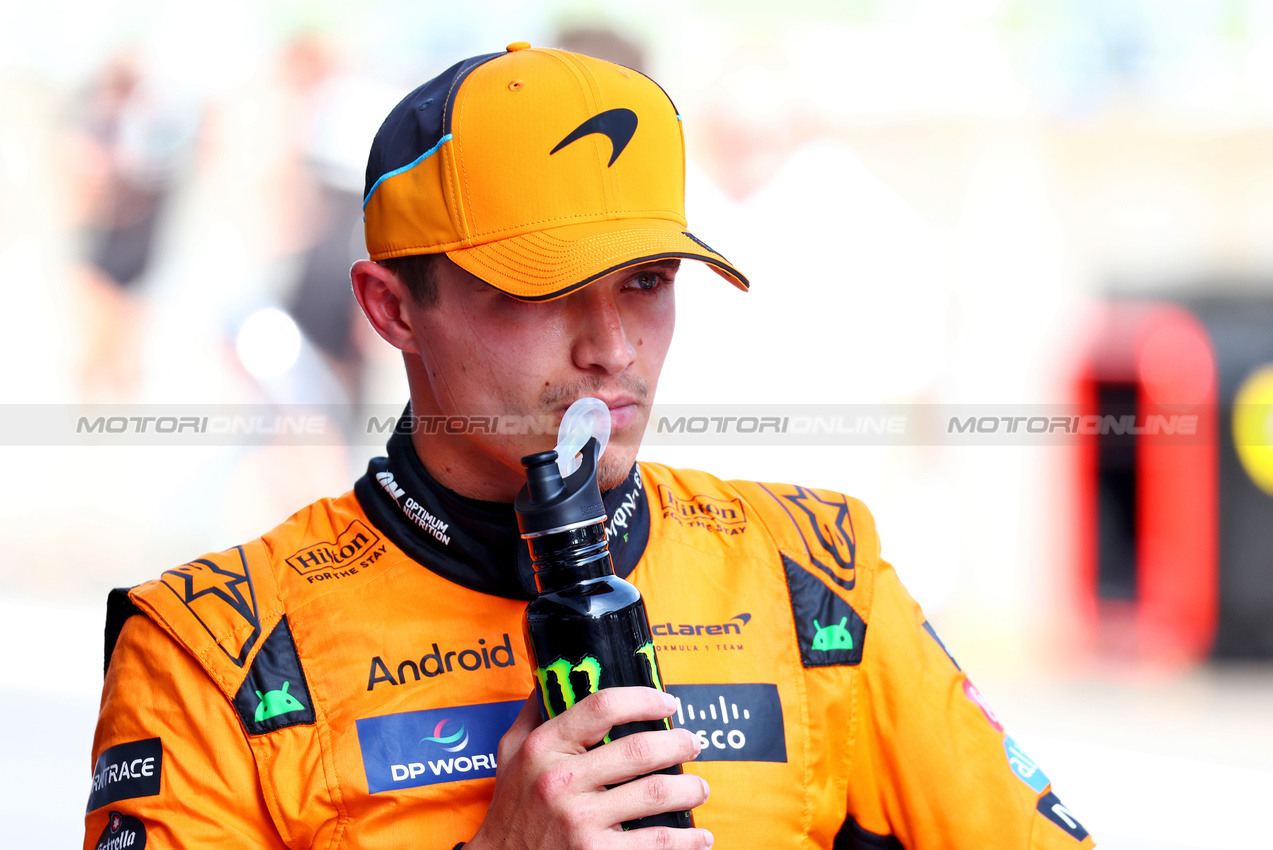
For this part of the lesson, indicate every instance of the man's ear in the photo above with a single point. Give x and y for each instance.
(386, 302)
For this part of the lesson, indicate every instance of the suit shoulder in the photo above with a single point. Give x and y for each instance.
(830, 557)
(221, 606)
(758, 492)
(823, 544)
(657, 476)
(808, 522)
(820, 517)
(695, 499)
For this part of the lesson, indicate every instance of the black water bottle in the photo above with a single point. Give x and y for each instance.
(587, 629)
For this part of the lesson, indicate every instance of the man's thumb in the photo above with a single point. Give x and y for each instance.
(527, 720)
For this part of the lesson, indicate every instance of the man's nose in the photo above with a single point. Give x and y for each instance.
(601, 341)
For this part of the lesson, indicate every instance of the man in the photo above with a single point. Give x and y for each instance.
(353, 678)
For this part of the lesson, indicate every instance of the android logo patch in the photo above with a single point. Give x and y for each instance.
(275, 693)
(829, 631)
(834, 636)
(274, 703)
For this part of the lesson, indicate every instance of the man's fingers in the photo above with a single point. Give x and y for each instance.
(591, 718)
(653, 795)
(636, 755)
(654, 838)
(664, 838)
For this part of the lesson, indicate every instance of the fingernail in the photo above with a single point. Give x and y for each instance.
(709, 838)
(698, 744)
(670, 702)
(707, 790)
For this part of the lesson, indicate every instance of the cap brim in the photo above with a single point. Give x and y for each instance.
(551, 263)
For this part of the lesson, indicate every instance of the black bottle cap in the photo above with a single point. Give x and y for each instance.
(547, 502)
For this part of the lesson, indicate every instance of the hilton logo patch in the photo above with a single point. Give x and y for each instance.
(724, 516)
(357, 546)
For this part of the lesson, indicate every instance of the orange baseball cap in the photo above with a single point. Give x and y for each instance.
(536, 170)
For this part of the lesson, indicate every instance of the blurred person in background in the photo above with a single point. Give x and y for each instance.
(349, 678)
(321, 301)
(129, 145)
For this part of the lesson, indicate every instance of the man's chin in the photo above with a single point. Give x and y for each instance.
(613, 471)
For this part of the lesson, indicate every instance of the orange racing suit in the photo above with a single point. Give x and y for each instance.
(343, 681)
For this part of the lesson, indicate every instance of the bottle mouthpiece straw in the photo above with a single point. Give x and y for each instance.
(586, 418)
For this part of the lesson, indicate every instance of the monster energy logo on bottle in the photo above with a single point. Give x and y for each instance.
(560, 670)
(647, 652)
(589, 668)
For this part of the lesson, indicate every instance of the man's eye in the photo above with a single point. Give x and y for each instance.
(647, 280)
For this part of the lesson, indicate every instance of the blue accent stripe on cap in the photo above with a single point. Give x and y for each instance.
(410, 165)
(679, 118)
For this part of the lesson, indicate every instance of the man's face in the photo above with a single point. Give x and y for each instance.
(483, 353)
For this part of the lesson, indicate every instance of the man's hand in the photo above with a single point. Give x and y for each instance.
(550, 789)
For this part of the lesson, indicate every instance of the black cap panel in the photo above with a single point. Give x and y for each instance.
(418, 123)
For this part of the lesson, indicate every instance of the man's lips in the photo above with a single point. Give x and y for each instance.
(620, 401)
(623, 414)
(624, 410)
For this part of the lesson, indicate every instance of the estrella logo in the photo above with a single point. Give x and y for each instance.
(448, 742)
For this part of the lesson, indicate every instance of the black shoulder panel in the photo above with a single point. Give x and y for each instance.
(275, 694)
(830, 632)
(853, 837)
(118, 609)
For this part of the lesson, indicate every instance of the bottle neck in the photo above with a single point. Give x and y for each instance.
(564, 558)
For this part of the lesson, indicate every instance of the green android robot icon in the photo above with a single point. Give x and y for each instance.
(274, 703)
(832, 637)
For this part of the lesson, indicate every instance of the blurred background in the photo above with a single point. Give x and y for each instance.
(999, 204)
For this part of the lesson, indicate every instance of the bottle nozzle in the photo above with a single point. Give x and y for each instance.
(548, 501)
(543, 479)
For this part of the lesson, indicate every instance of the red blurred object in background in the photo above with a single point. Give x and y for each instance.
(1147, 550)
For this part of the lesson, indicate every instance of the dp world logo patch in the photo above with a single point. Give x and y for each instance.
(418, 748)
(452, 743)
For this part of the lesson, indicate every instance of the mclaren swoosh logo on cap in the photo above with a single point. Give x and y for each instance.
(617, 125)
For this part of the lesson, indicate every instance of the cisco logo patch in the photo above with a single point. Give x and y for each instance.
(733, 722)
